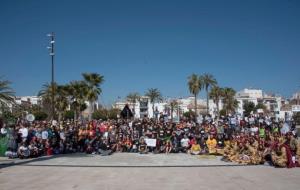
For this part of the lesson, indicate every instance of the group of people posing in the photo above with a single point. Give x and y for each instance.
(253, 140)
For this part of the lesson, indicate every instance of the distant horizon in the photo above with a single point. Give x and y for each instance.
(138, 45)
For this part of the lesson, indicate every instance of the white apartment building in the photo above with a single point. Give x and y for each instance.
(273, 103)
(144, 108)
(247, 95)
(33, 100)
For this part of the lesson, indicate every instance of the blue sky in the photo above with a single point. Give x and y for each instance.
(145, 44)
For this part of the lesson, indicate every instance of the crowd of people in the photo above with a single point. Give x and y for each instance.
(248, 140)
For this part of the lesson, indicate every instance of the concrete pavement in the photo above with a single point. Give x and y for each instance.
(132, 171)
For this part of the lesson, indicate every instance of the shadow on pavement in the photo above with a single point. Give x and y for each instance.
(30, 163)
(18, 162)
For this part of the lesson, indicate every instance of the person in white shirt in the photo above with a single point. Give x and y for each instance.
(251, 120)
(62, 135)
(45, 134)
(24, 132)
(254, 130)
(185, 143)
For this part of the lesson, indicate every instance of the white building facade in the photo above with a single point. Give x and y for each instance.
(144, 108)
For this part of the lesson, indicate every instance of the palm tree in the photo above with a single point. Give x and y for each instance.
(195, 85)
(216, 93)
(208, 81)
(46, 93)
(154, 96)
(77, 91)
(230, 103)
(93, 81)
(133, 98)
(173, 104)
(6, 93)
(60, 98)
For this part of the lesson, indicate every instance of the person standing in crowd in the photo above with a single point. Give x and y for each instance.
(249, 140)
(23, 132)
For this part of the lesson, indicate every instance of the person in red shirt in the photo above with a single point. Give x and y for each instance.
(193, 141)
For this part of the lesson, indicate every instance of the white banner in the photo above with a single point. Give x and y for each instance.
(151, 142)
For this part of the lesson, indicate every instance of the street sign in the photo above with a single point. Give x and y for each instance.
(30, 117)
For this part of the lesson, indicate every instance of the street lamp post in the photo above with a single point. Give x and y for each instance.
(51, 48)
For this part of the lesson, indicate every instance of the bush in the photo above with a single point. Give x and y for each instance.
(105, 114)
(40, 116)
(8, 118)
(189, 114)
(69, 115)
(248, 108)
(260, 106)
(113, 113)
(222, 112)
(100, 114)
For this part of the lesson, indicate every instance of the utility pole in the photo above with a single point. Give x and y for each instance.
(51, 48)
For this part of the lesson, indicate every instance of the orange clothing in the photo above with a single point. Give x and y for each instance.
(211, 144)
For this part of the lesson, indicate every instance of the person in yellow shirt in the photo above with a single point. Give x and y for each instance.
(195, 149)
(211, 143)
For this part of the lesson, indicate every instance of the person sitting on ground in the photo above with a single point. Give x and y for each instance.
(211, 144)
(127, 144)
(278, 154)
(34, 151)
(220, 144)
(175, 143)
(195, 149)
(203, 145)
(143, 149)
(185, 141)
(169, 147)
(104, 148)
(23, 151)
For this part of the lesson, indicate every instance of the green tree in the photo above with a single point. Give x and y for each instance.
(223, 112)
(154, 96)
(195, 84)
(173, 105)
(248, 108)
(260, 106)
(77, 91)
(133, 98)
(208, 80)
(105, 114)
(6, 93)
(100, 114)
(69, 114)
(8, 117)
(216, 93)
(189, 114)
(230, 103)
(113, 113)
(45, 93)
(93, 81)
(60, 99)
(40, 115)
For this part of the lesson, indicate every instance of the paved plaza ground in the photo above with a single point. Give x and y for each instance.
(135, 171)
